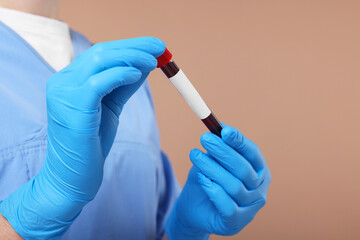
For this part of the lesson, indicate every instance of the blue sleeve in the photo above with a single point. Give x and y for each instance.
(168, 198)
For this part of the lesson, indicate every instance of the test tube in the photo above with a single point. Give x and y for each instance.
(188, 92)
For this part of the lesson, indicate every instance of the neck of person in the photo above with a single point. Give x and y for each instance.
(45, 8)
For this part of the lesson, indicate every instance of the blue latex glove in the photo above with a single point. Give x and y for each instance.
(84, 102)
(225, 188)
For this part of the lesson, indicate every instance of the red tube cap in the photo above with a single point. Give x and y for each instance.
(164, 58)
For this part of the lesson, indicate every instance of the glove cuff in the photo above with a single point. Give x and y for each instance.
(34, 215)
(175, 230)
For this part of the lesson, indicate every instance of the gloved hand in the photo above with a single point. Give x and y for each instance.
(225, 188)
(84, 102)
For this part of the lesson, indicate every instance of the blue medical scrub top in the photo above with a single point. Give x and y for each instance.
(139, 187)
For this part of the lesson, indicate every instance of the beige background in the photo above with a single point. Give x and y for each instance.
(286, 73)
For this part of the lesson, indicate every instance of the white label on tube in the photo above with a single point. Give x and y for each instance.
(191, 96)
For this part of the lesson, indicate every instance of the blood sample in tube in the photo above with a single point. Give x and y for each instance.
(178, 78)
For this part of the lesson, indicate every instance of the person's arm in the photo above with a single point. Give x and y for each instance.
(7, 232)
(84, 102)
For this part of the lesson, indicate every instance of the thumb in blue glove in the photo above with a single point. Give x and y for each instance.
(225, 188)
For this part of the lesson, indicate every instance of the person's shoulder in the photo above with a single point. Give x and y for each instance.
(80, 42)
(75, 35)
